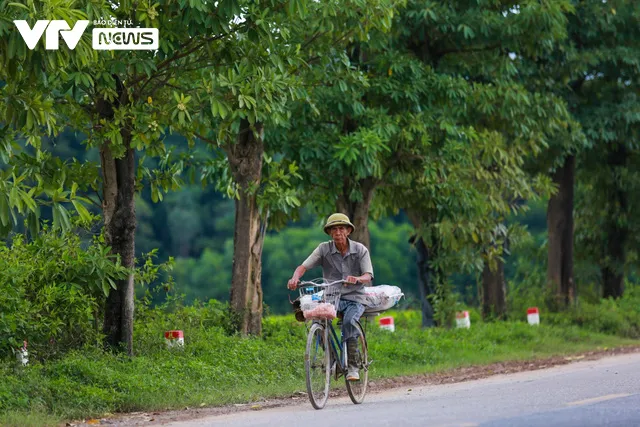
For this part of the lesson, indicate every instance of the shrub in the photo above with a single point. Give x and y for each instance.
(610, 316)
(51, 289)
(616, 317)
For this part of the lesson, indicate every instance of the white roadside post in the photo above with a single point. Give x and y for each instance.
(533, 316)
(462, 319)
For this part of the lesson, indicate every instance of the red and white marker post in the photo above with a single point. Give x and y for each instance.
(463, 320)
(387, 323)
(174, 338)
(533, 316)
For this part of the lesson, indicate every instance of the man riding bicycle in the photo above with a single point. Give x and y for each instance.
(347, 260)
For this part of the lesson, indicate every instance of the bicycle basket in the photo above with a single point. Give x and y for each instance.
(320, 302)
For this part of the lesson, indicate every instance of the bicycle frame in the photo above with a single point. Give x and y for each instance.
(336, 350)
(336, 347)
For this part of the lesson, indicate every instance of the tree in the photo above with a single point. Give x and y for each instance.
(606, 88)
(128, 101)
(428, 103)
(259, 88)
(593, 69)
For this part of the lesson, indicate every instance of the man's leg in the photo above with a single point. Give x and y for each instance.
(351, 314)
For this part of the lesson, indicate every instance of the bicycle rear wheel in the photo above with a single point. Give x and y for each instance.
(358, 389)
(316, 364)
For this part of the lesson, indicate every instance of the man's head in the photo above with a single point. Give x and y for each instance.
(338, 226)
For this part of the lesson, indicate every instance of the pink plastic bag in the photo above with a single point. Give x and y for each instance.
(321, 311)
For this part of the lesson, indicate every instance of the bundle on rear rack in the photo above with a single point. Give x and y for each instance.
(381, 297)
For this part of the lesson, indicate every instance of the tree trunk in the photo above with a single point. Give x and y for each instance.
(119, 215)
(560, 235)
(494, 292)
(245, 160)
(612, 283)
(426, 282)
(358, 211)
(427, 276)
(617, 229)
(120, 226)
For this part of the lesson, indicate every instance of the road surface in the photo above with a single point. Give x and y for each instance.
(603, 392)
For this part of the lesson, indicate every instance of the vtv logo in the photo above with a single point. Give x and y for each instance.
(31, 36)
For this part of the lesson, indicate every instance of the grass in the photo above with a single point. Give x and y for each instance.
(413, 351)
(216, 369)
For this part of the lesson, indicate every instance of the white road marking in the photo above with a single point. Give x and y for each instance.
(598, 399)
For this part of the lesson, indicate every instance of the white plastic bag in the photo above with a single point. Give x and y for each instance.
(309, 302)
(382, 297)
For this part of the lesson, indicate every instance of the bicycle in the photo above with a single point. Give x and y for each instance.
(326, 352)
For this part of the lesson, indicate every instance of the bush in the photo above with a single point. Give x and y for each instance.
(609, 316)
(615, 317)
(51, 289)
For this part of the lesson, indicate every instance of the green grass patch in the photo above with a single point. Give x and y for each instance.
(28, 419)
(216, 369)
(411, 350)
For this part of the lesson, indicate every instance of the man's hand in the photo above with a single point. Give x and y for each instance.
(364, 279)
(351, 280)
(293, 283)
(295, 279)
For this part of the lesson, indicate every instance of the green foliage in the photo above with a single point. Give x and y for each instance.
(29, 182)
(445, 305)
(595, 70)
(608, 316)
(528, 288)
(205, 277)
(527, 285)
(52, 289)
(432, 119)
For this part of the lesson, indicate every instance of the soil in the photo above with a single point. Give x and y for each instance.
(452, 376)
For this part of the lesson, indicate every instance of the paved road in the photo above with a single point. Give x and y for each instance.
(605, 392)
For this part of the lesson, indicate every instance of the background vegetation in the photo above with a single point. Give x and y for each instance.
(488, 154)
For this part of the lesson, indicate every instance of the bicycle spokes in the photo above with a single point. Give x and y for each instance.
(317, 366)
(358, 389)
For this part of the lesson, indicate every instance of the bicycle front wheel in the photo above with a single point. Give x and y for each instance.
(316, 364)
(358, 389)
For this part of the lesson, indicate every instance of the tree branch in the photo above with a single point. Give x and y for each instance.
(205, 139)
(187, 52)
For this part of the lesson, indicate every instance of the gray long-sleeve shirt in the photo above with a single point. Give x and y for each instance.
(355, 262)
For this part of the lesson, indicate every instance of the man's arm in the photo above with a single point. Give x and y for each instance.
(366, 267)
(312, 261)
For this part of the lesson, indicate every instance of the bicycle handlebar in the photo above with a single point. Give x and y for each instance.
(322, 285)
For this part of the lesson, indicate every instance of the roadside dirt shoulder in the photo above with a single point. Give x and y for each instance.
(452, 376)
